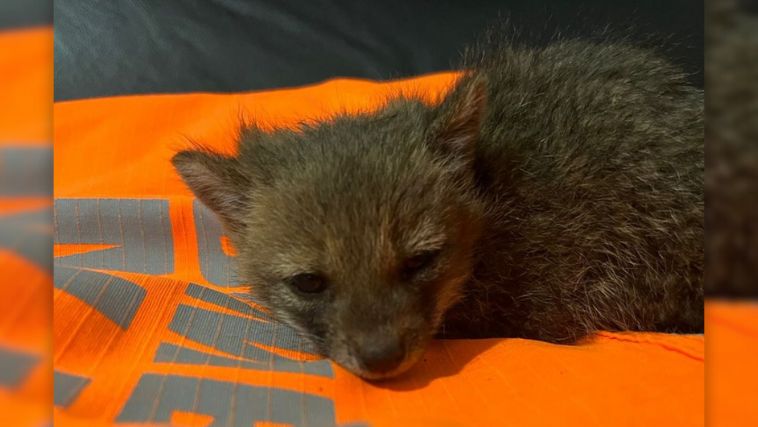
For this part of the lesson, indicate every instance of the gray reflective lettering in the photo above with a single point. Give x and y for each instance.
(216, 266)
(67, 387)
(139, 229)
(156, 397)
(238, 335)
(114, 297)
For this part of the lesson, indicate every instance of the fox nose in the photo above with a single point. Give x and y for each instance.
(381, 354)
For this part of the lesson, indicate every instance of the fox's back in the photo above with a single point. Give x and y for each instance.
(591, 160)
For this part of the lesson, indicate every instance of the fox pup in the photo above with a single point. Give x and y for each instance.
(553, 192)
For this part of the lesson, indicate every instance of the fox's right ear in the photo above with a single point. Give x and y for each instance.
(456, 131)
(218, 182)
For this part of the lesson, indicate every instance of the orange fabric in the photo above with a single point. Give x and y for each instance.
(151, 128)
(732, 371)
(25, 121)
(26, 75)
(118, 148)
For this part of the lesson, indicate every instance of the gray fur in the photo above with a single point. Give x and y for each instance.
(561, 189)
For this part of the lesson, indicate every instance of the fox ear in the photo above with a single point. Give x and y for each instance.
(218, 182)
(461, 113)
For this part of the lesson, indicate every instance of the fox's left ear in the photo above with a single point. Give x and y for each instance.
(457, 128)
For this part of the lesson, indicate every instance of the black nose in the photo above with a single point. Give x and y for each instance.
(381, 354)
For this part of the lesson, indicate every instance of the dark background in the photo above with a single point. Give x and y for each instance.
(25, 13)
(111, 47)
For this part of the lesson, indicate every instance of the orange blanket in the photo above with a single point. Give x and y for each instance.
(145, 329)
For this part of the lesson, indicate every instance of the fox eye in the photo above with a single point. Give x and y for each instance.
(308, 283)
(416, 264)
